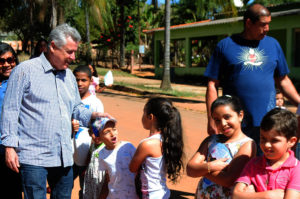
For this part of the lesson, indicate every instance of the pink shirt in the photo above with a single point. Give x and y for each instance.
(264, 178)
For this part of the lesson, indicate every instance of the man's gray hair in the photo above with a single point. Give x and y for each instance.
(60, 34)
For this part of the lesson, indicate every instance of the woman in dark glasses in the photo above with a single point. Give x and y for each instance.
(8, 60)
(10, 180)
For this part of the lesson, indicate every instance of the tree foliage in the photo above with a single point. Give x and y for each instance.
(30, 20)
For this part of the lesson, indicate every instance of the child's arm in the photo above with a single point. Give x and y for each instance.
(147, 148)
(219, 171)
(241, 192)
(100, 89)
(227, 177)
(292, 194)
(104, 191)
(197, 166)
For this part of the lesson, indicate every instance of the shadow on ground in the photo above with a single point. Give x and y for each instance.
(146, 94)
(180, 194)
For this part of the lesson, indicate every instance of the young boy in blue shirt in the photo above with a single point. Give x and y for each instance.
(82, 140)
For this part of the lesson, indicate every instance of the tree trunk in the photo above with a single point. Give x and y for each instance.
(24, 44)
(53, 15)
(61, 19)
(122, 39)
(88, 40)
(31, 8)
(166, 83)
(154, 3)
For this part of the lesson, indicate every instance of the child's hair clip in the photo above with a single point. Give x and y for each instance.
(280, 107)
(229, 96)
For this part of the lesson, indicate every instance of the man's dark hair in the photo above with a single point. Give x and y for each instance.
(284, 122)
(83, 69)
(278, 91)
(254, 12)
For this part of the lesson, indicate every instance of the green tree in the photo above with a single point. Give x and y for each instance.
(98, 8)
(196, 10)
(124, 5)
(30, 20)
(24, 19)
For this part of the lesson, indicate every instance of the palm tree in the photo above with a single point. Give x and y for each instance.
(166, 82)
(203, 9)
(100, 10)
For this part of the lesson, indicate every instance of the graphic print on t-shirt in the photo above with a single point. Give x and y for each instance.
(252, 58)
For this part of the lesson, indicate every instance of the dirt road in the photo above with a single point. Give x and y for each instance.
(128, 110)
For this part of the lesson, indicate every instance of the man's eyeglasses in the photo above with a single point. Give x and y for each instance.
(9, 60)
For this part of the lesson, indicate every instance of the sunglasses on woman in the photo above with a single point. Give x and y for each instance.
(9, 60)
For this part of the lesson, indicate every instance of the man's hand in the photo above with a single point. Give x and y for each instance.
(75, 125)
(12, 159)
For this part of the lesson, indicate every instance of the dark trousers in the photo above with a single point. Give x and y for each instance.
(11, 186)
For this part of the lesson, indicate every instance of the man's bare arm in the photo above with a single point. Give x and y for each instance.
(211, 96)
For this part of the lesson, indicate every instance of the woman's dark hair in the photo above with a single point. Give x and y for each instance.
(83, 69)
(95, 74)
(169, 123)
(4, 48)
(229, 100)
(37, 52)
(284, 122)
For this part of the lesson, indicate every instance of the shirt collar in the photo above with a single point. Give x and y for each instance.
(289, 163)
(46, 64)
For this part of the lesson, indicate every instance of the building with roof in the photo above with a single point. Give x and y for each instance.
(285, 27)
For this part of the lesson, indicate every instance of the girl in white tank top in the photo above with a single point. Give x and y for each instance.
(160, 154)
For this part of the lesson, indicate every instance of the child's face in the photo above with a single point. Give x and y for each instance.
(279, 99)
(228, 122)
(109, 136)
(83, 82)
(275, 146)
(146, 121)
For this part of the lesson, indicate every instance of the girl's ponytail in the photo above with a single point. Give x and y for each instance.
(169, 123)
